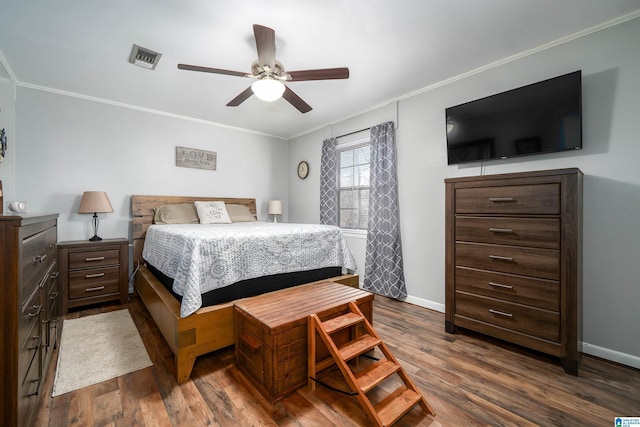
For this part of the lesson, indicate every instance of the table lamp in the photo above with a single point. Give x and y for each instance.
(95, 202)
(275, 209)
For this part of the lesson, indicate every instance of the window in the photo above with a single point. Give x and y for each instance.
(353, 185)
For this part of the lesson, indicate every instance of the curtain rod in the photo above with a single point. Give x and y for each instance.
(354, 132)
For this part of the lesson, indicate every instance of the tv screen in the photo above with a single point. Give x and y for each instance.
(543, 117)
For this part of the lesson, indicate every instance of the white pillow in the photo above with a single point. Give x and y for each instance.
(212, 213)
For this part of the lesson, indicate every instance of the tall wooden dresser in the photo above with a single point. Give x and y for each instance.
(30, 307)
(513, 259)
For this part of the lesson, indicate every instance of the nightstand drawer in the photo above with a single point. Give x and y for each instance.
(94, 282)
(89, 259)
(541, 199)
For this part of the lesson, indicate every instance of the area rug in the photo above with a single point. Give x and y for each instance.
(97, 348)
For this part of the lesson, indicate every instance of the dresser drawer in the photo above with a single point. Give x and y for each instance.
(38, 252)
(543, 263)
(540, 199)
(532, 232)
(90, 259)
(30, 313)
(94, 282)
(29, 332)
(538, 293)
(527, 320)
(32, 343)
(31, 383)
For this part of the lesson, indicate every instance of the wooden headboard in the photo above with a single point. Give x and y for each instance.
(142, 214)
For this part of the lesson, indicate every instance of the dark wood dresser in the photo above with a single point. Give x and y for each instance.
(30, 308)
(513, 259)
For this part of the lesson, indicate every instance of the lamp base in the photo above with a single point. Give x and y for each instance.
(95, 223)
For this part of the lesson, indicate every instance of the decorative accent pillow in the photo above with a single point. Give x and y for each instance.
(179, 213)
(239, 213)
(212, 212)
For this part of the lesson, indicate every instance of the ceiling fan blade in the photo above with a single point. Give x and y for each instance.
(243, 96)
(212, 70)
(296, 101)
(320, 74)
(265, 45)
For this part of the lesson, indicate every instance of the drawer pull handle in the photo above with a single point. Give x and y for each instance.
(39, 258)
(38, 343)
(91, 276)
(501, 199)
(97, 288)
(53, 296)
(500, 285)
(37, 309)
(95, 258)
(501, 258)
(500, 313)
(501, 230)
(55, 274)
(35, 393)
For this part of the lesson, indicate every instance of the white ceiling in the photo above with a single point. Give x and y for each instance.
(392, 48)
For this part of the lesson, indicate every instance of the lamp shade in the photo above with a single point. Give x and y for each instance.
(268, 89)
(95, 202)
(275, 207)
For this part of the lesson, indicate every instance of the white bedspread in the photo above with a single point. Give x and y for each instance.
(202, 257)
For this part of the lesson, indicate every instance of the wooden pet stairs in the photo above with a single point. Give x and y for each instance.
(363, 339)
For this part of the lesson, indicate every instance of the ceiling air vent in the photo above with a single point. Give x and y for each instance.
(144, 57)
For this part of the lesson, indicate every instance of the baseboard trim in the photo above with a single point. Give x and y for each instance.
(593, 350)
(611, 355)
(431, 305)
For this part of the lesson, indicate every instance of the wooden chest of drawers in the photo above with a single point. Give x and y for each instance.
(30, 308)
(271, 333)
(93, 272)
(513, 259)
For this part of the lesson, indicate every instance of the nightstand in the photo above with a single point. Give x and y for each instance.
(93, 272)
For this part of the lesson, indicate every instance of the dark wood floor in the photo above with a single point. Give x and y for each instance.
(468, 379)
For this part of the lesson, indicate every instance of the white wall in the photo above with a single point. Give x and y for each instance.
(610, 65)
(68, 145)
(7, 122)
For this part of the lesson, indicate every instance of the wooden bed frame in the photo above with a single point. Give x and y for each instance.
(194, 335)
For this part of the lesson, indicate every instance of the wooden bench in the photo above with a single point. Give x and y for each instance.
(271, 333)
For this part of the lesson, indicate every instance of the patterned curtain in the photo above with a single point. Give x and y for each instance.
(383, 270)
(328, 190)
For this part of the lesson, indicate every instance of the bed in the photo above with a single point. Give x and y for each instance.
(192, 335)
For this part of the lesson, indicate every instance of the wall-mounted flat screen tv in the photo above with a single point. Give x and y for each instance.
(543, 117)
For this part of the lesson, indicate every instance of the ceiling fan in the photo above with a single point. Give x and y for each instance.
(270, 74)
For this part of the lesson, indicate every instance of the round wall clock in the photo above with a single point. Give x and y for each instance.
(303, 169)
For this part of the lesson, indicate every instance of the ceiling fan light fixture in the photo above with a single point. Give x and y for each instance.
(268, 89)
